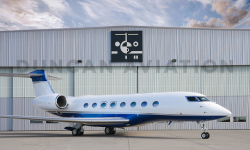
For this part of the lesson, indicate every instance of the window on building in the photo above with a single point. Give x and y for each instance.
(133, 104)
(112, 104)
(123, 104)
(191, 99)
(155, 103)
(144, 104)
(85, 105)
(225, 119)
(104, 104)
(240, 119)
(94, 105)
(202, 98)
(35, 121)
(51, 122)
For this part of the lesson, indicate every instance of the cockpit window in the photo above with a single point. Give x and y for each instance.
(202, 98)
(192, 99)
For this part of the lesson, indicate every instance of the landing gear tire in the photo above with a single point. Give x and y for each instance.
(77, 132)
(109, 131)
(205, 135)
(208, 135)
(113, 131)
(81, 133)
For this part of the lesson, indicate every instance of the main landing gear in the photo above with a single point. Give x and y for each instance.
(110, 131)
(78, 132)
(77, 129)
(204, 134)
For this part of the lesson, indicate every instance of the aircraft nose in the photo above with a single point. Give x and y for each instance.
(229, 113)
(220, 110)
(226, 112)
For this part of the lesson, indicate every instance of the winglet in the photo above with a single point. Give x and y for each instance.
(42, 76)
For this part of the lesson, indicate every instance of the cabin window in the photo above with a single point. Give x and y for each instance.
(112, 104)
(202, 98)
(133, 104)
(225, 119)
(155, 103)
(144, 104)
(239, 119)
(85, 105)
(123, 104)
(104, 104)
(192, 99)
(94, 105)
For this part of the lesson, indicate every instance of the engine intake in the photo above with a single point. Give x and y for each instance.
(61, 102)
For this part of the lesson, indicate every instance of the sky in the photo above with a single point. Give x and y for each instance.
(50, 14)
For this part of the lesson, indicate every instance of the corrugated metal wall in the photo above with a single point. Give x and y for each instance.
(227, 86)
(169, 79)
(6, 83)
(226, 81)
(105, 80)
(6, 108)
(63, 47)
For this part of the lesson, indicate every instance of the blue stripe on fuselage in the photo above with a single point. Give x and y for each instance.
(135, 119)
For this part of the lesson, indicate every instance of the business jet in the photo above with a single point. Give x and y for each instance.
(119, 111)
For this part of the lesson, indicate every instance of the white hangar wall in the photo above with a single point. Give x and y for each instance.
(229, 88)
(63, 47)
(105, 80)
(214, 62)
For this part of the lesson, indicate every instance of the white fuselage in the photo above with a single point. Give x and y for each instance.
(173, 106)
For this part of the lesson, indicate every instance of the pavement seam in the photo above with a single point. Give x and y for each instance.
(128, 141)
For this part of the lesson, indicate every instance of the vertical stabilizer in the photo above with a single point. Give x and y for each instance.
(41, 84)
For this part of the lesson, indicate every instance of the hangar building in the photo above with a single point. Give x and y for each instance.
(126, 60)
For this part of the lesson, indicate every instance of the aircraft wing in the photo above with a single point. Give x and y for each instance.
(87, 121)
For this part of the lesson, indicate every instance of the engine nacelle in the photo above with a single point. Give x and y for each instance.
(51, 102)
(61, 102)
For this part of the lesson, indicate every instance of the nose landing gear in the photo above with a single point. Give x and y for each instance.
(204, 135)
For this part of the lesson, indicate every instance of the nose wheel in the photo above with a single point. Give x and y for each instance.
(204, 134)
(110, 131)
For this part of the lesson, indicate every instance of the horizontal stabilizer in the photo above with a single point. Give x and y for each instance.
(87, 121)
(27, 75)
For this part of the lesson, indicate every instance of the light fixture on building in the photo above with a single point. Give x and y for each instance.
(79, 61)
(174, 60)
